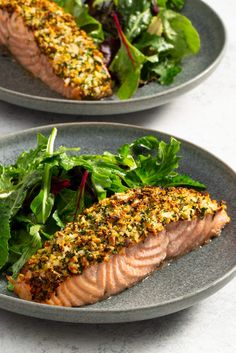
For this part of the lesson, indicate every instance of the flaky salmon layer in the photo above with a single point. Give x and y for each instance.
(48, 43)
(118, 242)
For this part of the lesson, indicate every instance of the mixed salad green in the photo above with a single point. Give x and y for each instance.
(47, 187)
(142, 40)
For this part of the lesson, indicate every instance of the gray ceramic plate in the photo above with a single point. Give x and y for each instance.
(19, 87)
(180, 285)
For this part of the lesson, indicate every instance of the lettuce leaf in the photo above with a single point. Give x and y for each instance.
(179, 31)
(136, 16)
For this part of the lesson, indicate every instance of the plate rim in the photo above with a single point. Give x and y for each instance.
(177, 90)
(193, 297)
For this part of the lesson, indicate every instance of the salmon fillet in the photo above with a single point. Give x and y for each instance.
(118, 242)
(48, 43)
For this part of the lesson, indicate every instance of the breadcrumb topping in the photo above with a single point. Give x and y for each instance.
(109, 226)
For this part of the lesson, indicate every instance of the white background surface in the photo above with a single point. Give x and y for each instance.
(206, 117)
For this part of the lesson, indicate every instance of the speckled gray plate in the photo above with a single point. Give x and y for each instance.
(179, 285)
(19, 87)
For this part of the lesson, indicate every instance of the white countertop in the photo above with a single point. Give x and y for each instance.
(206, 117)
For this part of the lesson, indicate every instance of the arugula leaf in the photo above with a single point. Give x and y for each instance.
(158, 160)
(30, 160)
(25, 174)
(58, 219)
(27, 248)
(166, 71)
(181, 180)
(6, 176)
(167, 159)
(42, 206)
(153, 162)
(9, 206)
(5, 232)
(107, 179)
(65, 204)
(146, 161)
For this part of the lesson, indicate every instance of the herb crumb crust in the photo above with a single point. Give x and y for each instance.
(123, 220)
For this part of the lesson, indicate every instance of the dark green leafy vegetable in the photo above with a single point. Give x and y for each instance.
(179, 31)
(166, 71)
(176, 5)
(128, 64)
(10, 204)
(136, 16)
(153, 43)
(30, 242)
(80, 11)
(46, 188)
(5, 234)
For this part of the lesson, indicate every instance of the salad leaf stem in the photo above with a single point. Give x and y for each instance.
(122, 38)
(47, 174)
(43, 202)
(80, 198)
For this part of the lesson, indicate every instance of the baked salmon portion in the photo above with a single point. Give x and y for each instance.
(118, 242)
(47, 42)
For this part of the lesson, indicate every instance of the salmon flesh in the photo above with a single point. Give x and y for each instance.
(117, 242)
(48, 43)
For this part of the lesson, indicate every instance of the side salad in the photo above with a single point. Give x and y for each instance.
(47, 187)
(142, 40)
